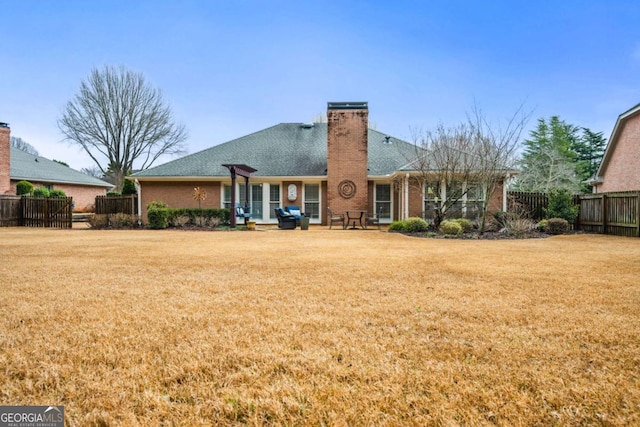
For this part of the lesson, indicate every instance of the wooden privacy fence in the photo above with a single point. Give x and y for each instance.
(117, 204)
(605, 213)
(54, 212)
(10, 211)
(36, 211)
(610, 213)
(530, 205)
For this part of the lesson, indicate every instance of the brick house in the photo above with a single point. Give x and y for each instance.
(620, 166)
(17, 165)
(342, 164)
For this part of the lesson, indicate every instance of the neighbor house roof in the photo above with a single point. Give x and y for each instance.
(25, 166)
(613, 140)
(286, 149)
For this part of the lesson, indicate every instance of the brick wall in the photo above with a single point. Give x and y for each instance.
(623, 171)
(5, 159)
(347, 156)
(179, 194)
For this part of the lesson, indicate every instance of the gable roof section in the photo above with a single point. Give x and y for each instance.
(25, 166)
(286, 149)
(613, 140)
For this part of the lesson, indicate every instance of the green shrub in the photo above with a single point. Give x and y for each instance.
(542, 225)
(113, 193)
(57, 193)
(158, 218)
(128, 187)
(175, 217)
(156, 204)
(557, 226)
(416, 225)
(24, 187)
(561, 205)
(397, 226)
(197, 217)
(466, 224)
(41, 192)
(450, 228)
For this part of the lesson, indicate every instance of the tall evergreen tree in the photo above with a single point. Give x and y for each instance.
(549, 159)
(589, 149)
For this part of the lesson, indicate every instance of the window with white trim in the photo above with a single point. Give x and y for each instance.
(312, 201)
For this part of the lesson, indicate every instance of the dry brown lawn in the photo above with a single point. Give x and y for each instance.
(319, 327)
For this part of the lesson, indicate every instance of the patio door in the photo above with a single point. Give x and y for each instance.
(383, 200)
(255, 198)
(312, 202)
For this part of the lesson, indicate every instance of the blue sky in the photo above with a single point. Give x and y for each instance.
(230, 68)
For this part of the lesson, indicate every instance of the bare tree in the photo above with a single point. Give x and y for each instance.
(119, 120)
(442, 162)
(496, 149)
(466, 162)
(21, 144)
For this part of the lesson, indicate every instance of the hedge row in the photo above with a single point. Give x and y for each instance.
(160, 217)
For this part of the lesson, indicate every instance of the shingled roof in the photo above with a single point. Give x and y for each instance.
(283, 150)
(25, 166)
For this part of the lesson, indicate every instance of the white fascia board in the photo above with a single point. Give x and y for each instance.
(613, 141)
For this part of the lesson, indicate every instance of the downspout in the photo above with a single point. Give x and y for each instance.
(139, 191)
(406, 197)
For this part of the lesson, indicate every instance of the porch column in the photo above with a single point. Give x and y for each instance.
(244, 171)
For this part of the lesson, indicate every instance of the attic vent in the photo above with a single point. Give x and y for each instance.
(306, 125)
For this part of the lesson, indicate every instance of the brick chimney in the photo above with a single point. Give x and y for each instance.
(5, 158)
(347, 155)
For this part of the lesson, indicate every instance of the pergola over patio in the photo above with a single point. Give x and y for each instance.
(244, 171)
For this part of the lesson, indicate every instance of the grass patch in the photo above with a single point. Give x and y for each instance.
(322, 327)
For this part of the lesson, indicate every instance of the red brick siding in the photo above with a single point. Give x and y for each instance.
(347, 157)
(179, 194)
(495, 201)
(5, 160)
(285, 194)
(623, 170)
(84, 197)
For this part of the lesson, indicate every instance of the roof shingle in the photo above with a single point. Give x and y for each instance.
(286, 149)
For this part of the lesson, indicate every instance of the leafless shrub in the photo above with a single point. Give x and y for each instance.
(519, 227)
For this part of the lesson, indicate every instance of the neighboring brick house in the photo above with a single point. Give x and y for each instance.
(17, 165)
(620, 166)
(341, 164)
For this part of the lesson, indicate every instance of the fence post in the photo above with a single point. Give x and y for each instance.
(604, 213)
(638, 215)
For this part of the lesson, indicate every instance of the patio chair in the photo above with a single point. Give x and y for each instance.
(286, 221)
(374, 219)
(295, 211)
(242, 213)
(335, 218)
